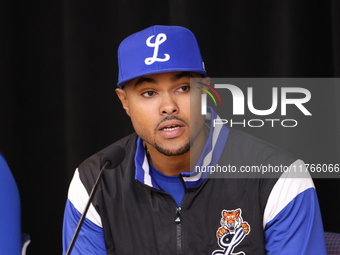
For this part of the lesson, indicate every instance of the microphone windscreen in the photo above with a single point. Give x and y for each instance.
(114, 154)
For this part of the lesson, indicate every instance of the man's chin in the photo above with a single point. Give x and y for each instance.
(173, 152)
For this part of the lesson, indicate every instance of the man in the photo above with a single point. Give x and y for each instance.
(154, 202)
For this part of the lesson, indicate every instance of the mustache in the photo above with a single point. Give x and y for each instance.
(171, 117)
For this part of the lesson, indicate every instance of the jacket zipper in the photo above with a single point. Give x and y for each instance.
(178, 221)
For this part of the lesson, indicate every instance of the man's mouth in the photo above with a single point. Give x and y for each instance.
(171, 128)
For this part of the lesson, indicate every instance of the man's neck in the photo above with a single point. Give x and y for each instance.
(169, 165)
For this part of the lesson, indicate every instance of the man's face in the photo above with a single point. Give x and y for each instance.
(159, 108)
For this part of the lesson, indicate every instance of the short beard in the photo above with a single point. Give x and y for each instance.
(184, 149)
(175, 152)
(180, 151)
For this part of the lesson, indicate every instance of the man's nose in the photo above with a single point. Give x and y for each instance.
(168, 105)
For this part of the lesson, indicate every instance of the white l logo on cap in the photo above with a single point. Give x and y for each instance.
(160, 38)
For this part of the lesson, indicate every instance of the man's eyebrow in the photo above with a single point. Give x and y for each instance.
(181, 75)
(176, 77)
(143, 79)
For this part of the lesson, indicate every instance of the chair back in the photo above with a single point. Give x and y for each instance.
(332, 242)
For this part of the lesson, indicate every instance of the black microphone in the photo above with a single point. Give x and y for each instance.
(111, 158)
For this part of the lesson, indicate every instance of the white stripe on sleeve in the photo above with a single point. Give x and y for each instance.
(288, 186)
(78, 196)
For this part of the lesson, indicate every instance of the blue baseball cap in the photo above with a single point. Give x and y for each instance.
(158, 49)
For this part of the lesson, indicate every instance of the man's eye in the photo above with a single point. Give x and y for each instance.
(184, 88)
(148, 93)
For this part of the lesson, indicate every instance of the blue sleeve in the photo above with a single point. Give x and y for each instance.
(10, 220)
(296, 227)
(90, 239)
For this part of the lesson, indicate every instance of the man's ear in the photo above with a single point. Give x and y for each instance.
(124, 100)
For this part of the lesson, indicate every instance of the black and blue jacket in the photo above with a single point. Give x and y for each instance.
(221, 213)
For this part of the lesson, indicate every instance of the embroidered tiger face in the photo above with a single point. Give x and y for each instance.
(232, 220)
(230, 217)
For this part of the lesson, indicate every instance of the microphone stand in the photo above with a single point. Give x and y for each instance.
(80, 223)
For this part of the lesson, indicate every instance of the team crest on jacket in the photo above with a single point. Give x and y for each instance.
(231, 233)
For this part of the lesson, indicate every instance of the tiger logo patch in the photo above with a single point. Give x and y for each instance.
(232, 231)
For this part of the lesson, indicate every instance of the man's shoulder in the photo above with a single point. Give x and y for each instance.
(92, 163)
(126, 142)
(247, 147)
(89, 169)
